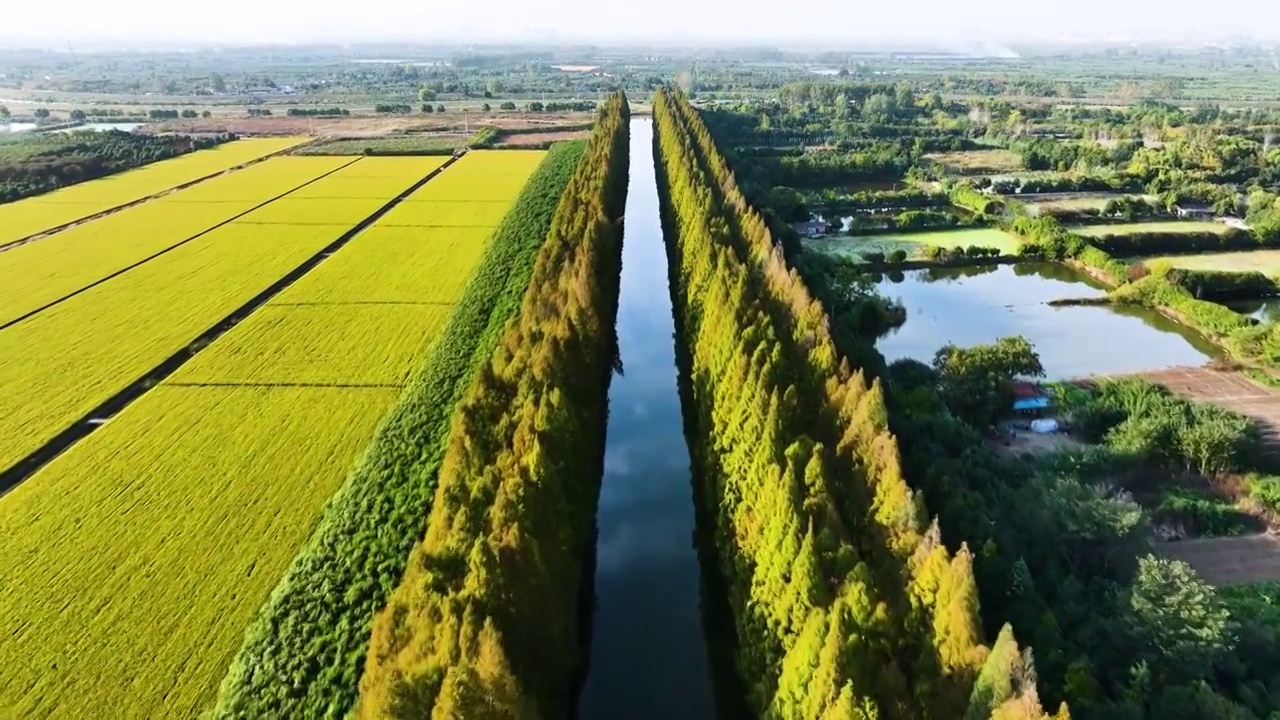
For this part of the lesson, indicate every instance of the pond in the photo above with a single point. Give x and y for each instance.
(969, 306)
(648, 650)
(99, 127)
(16, 127)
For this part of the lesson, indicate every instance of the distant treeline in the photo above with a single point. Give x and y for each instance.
(318, 112)
(81, 156)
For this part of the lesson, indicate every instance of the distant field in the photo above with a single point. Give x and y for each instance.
(43, 212)
(913, 243)
(406, 145)
(977, 162)
(1068, 201)
(1264, 261)
(1169, 226)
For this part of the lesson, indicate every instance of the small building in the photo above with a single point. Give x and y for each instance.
(1194, 212)
(813, 228)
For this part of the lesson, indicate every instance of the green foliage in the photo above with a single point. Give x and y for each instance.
(1183, 626)
(963, 195)
(1156, 242)
(977, 382)
(846, 605)
(1213, 319)
(1144, 421)
(488, 604)
(1223, 285)
(302, 656)
(1200, 513)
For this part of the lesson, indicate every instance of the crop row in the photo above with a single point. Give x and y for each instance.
(192, 502)
(69, 358)
(37, 214)
(497, 634)
(38, 273)
(846, 604)
(302, 655)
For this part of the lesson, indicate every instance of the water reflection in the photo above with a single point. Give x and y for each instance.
(967, 306)
(648, 651)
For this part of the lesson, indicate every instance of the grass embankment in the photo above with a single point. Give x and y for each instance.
(43, 212)
(844, 602)
(149, 546)
(498, 635)
(303, 654)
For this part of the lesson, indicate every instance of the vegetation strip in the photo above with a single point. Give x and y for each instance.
(485, 620)
(846, 604)
(15, 242)
(171, 248)
(303, 654)
(91, 420)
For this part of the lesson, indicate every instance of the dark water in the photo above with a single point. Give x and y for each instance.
(1264, 309)
(648, 651)
(978, 305)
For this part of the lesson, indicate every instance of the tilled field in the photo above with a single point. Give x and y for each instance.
(1229, 560)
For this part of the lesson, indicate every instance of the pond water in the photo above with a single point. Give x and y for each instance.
(648, 650)
(16, 127)
(968, 306)
(123, 127)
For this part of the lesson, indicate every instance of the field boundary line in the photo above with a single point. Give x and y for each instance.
(117, 208)
(26, 467)
(169, 249)
(339, 303)
(319, 385)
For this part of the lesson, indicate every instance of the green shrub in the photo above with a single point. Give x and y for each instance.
(874, 257)
(899, 256)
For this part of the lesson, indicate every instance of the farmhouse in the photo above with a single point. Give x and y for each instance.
(813, 228)
(1194, 212)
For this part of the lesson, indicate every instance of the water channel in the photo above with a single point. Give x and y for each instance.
(648, 650)
(967, 306)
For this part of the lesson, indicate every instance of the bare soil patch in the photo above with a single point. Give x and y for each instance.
(1229, 560)
(538, 139)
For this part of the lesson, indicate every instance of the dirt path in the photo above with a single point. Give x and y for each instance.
(1230, 560)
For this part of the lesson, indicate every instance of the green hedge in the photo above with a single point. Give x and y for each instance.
(1223, 285)
(485, 621)
(970, 199)
(303, 655)
(1157, 243)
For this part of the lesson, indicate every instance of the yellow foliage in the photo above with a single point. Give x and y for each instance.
(43, 212)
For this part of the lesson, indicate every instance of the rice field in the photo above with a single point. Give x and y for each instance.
(135, 560)
(71, 357)
(913, 243)
(35, 274)
(44, 212)
(1168, 226)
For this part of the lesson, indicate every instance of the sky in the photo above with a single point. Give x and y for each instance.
(814, 22)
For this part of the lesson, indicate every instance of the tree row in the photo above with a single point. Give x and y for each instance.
(846, 602)
(485, 621)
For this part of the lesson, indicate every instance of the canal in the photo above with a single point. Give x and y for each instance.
(648, 651)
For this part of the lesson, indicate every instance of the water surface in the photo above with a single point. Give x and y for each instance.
(968, 306)
(648, 651)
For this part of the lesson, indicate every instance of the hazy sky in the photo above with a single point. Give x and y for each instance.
(797, 21)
